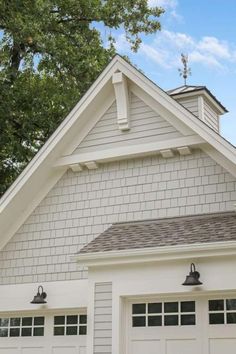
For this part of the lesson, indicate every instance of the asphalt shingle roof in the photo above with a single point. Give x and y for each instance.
(166, 232)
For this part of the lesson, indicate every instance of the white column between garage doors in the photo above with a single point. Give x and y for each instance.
(166, 325)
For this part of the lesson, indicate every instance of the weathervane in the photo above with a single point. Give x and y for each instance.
(186, 71)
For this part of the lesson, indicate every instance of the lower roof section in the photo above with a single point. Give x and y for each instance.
(176, 231)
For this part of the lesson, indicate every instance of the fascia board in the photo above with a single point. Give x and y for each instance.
(156, 254)
(179, 111)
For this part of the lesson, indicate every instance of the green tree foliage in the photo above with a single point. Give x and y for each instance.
(50, 53)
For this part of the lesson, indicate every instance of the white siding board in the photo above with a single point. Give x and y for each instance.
(104, 319)
(102, 336)
(103, 303)
(102, 325)
(83, 204)
(211, 118)
(191, 104)
(146, 125)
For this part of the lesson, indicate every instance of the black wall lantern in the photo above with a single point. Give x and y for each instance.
(193, 277)
(40, 297)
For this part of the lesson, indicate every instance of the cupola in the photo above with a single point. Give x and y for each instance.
(201, 102)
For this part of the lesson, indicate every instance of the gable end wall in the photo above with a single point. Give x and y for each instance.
(145, 126)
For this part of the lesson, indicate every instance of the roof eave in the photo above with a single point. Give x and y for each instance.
(156, 254)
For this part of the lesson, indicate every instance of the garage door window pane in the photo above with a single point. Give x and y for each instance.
(59, 320)
(15, 322)
(38, 331)
(83, 319)
(154, 321)
(139, 321)
(72, 319)
(3, 332)
(26, 332)
(188, 306)
(38, 321)
(59, 331)
(155, 307)
(216, 318)
(187, 320)
(231, 317)
(231, 304)
(82, 330)
(171, 320)
(71, 331)
(171, 307)
(4, 322)
(27, 321)
(138, 308)
(216, 305)
(14, 332)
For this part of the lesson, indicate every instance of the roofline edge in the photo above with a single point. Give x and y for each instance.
(157, 254)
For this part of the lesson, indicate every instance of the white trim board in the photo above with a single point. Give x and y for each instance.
(157, 254)
(130, 151)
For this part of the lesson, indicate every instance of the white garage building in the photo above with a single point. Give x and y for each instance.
(134, 190)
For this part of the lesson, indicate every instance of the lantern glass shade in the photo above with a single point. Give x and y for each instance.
(40, 297)
(193, 278)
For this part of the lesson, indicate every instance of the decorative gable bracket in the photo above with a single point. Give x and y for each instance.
(122, 100)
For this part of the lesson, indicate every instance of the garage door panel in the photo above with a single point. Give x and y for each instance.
(82, 350)
(63, 350)
(12, 350)
(146, 346)
(182, 346)
(222, 345)
(33, 350)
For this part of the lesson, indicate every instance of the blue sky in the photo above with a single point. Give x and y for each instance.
(206, 31)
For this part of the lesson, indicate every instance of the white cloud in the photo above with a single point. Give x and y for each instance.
(179, 40)
(167, 46)
(215, 47)
(160, 57)
(206, 60)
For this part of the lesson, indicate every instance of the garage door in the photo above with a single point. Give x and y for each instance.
(182, 326)
(60, 333)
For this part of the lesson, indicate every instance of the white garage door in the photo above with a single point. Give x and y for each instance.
(61, 333)
(182, 326)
